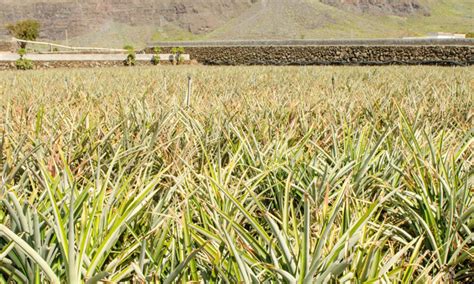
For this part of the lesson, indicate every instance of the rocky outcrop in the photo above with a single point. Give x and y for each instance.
(384, 7)
(79, 17)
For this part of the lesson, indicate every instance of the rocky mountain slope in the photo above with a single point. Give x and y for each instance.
(115, 22)
(399, 7)
(79, 17)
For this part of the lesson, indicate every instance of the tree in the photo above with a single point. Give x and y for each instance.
(26, 30)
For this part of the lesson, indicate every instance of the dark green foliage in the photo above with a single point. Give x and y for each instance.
(26, 30)
(155, 60)
(178, 52)
(131, 56)
(131, 60)
(24, 64)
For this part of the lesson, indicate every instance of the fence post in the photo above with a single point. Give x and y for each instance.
(190, 90)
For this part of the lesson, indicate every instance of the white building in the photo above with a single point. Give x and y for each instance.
(442, 35)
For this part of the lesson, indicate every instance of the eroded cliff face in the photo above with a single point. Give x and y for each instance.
(80, 16)
(383, 7)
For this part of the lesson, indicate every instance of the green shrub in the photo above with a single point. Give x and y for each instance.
(131, 56)
(22, 52)
(155, 60)
(25, 30)
(130, 60)
(129, 48)
(23, 63)
(180, 59)
(178, 52)
(470, 35)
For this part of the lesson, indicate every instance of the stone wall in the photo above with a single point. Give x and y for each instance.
(41, 65)
(459, 55)
(332, 55)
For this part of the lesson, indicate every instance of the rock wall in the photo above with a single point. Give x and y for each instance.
(331, 55)
(457, 55)
(42, 65)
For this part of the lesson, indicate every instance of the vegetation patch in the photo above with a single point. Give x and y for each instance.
(25, 30)
(131, 59)
(272, 175)
(155, 60)
(23, 63)
(178, 57)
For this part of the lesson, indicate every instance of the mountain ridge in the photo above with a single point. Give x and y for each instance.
(116, 22)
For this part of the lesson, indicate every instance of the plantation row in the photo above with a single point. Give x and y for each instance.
(293, 175)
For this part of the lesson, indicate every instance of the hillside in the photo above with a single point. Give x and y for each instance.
(116, 22)
(400, 7)
(81, 17)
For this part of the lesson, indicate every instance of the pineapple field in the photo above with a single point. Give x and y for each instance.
(247, 175)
